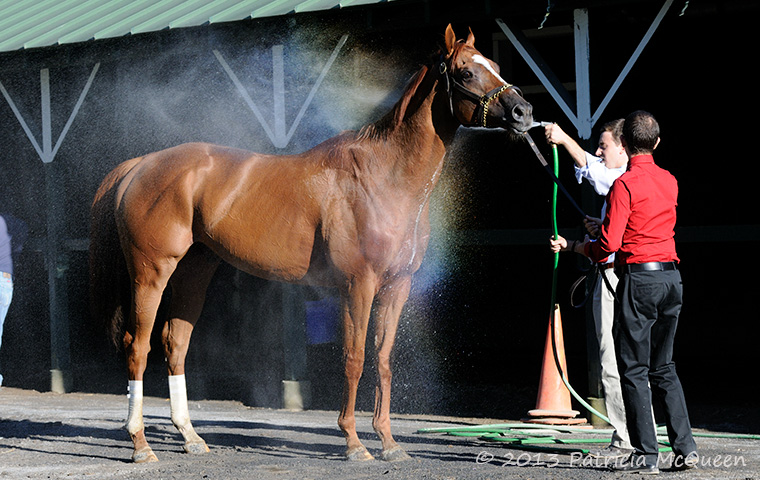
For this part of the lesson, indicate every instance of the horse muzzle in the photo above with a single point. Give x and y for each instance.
(518, 113)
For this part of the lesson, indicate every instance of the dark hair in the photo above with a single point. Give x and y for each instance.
(641, 132)
(615, 127)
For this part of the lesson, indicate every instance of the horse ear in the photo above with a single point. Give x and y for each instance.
(451, 39)
(470, 39)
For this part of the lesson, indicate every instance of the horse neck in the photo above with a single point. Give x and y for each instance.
(423, 135)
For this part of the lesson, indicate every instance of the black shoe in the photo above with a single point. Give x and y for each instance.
(685, 462)
(636, 467)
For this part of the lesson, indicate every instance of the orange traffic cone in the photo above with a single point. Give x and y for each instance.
(553, 404)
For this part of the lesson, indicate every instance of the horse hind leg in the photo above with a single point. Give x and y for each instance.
(188, 285)
(146, 296)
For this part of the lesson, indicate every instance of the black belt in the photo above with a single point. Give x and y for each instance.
(650, 267)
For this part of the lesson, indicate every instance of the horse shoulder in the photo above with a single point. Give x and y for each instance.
(367, 221)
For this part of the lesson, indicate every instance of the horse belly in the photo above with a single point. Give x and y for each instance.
(268, 246)
(269, 261)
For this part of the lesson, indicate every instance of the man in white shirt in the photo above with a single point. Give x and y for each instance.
(601, 170)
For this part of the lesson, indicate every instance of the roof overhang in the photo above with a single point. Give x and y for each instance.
(26, 24)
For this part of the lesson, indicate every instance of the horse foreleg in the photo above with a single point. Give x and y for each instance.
(189, 284)
(391, 300)
(356, 305)
(181, 416)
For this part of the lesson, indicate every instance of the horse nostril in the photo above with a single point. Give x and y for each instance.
(520, 112)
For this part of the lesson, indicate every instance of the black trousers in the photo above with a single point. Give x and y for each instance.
(644, 329)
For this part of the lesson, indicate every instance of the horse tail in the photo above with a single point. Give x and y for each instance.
(110, 294)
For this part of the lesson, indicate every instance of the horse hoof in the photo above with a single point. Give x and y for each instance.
(395, 454)
(359, 454)
(196, 448)
(144, 455)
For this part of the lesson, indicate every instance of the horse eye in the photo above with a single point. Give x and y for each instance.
(466, 75)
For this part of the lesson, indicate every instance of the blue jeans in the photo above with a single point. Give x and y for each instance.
(6, 294)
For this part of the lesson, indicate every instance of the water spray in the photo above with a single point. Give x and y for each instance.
(540, 124)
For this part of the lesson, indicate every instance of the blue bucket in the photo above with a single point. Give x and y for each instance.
(322, 320)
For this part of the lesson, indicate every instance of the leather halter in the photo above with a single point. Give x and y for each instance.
(482, 102)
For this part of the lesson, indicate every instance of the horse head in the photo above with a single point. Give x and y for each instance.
(478, 96)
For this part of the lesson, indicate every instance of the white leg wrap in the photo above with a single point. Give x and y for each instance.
(181, 416)
(135, 416)
(178, 397)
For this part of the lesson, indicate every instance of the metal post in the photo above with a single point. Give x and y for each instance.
(584, 125)
(56, 260)
(60, 354)
(296, 390)
(582, 79)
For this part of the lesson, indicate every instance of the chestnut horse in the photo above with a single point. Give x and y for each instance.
(350, 213)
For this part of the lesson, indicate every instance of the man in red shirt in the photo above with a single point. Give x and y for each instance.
(639, 228)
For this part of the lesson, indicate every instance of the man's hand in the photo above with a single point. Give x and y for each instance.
(593, 226)
(557, 244)
(560, 244)
(555, 135)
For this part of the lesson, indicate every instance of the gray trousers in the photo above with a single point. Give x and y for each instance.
(603, 310)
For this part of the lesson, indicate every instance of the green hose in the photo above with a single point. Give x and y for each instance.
(555, 229)
(554, 294)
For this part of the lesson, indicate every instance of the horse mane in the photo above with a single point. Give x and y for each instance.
(404, 107)
(395, 117)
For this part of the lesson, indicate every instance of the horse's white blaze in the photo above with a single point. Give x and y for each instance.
(479, 59)
(135, 417)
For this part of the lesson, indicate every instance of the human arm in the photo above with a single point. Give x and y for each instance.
(614, 224)
(554, 134)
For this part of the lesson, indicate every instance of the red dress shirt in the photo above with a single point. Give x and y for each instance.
(641, 216)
